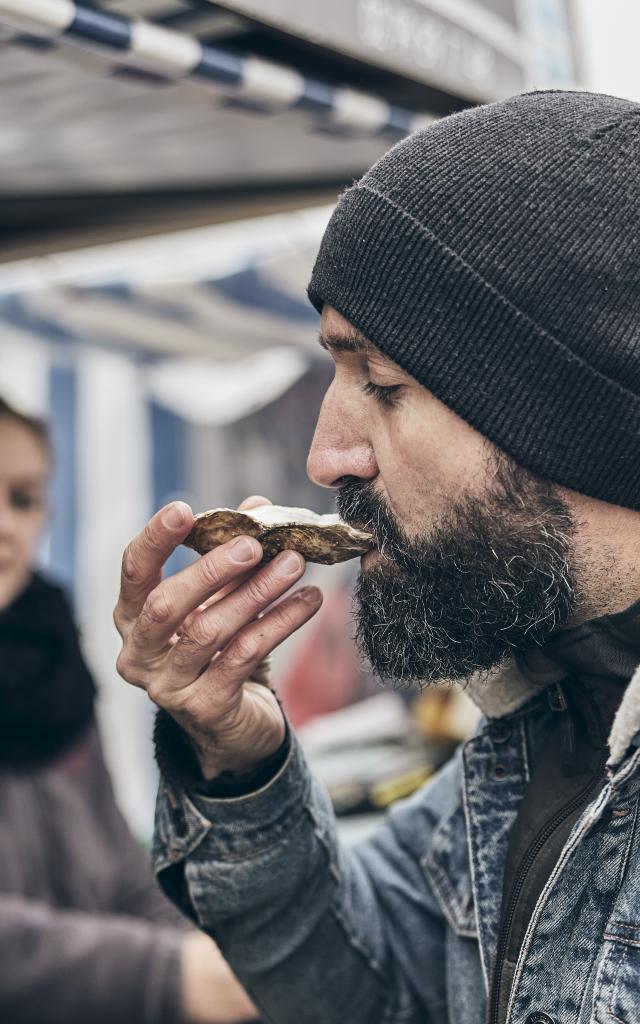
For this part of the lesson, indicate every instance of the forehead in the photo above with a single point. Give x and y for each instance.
(338, 335)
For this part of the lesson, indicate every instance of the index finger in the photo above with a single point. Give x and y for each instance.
(253, 501)
(146, 554)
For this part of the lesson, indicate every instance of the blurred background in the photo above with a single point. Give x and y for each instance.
(168, 167)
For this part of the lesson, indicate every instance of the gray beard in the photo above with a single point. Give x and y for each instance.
(493, 579)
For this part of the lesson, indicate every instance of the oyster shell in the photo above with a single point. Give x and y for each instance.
(324, 539)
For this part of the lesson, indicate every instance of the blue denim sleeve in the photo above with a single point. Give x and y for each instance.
(314, 930)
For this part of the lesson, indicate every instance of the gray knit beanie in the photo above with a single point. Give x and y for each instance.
(495, 256)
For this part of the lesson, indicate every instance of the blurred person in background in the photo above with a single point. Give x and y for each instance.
(85, 933)
(479, 293)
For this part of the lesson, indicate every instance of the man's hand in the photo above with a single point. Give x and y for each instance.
(211, 993)
(192, 641)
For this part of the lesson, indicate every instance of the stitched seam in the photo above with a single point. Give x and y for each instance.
(614, 985)
(439, 877)
(353, 940)
(474, 880)
(335, 910)
(627, 771)
(585, 989)
(620, 939)
(627, 853)
(597, 993)
(277, 832)
(463, 924)
(525, 753)
(502, 299)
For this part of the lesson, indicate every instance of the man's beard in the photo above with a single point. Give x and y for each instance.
(491, 579)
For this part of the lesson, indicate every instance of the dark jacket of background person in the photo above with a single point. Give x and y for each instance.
(85, 933)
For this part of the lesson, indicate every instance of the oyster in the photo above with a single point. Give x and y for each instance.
(324, 539)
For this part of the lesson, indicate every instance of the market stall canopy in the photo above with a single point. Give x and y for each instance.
(127, 113)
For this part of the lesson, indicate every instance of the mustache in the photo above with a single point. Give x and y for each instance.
(360, 506)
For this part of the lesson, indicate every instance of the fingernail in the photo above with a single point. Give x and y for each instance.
(173, 517)
(242, 550)
(289, 564)
(310, 595)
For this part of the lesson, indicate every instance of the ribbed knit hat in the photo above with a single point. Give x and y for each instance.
(495, 256)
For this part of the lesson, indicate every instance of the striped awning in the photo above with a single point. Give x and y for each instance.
(169, 55)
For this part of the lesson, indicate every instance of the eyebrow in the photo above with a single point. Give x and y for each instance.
(352, 342)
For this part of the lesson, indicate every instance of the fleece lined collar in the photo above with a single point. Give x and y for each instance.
(608, 646)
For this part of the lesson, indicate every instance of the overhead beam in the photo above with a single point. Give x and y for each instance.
(262, 84)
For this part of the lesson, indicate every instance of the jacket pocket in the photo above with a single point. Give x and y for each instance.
(446, 865)
(617, 992)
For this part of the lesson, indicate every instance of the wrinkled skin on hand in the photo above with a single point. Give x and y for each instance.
(196, 640)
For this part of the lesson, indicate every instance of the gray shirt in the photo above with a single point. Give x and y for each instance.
(85, 933)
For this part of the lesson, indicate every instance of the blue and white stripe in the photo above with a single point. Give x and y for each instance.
(170, 55)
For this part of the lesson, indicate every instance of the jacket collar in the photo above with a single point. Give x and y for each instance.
(608, 646)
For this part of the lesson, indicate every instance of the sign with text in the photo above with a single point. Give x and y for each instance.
(476, 50)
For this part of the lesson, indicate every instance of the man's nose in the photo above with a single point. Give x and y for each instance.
(338, 449)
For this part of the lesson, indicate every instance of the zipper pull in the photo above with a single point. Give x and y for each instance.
(558, 703)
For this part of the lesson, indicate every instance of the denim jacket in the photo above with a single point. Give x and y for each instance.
(402, 928)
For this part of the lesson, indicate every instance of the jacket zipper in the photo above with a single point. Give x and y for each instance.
(558, 703)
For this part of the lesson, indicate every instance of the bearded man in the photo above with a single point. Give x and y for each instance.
(479, 296)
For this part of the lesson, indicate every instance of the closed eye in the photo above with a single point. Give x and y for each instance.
(385, 395)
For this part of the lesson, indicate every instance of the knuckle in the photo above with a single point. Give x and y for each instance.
(150, 537)
(285, 616)
(157, 608)
(155, 693)
(130, 567)
(118, 619)
(198, 637)
(244, 649)
(124, 666)
(259, 589)
(209, 572)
